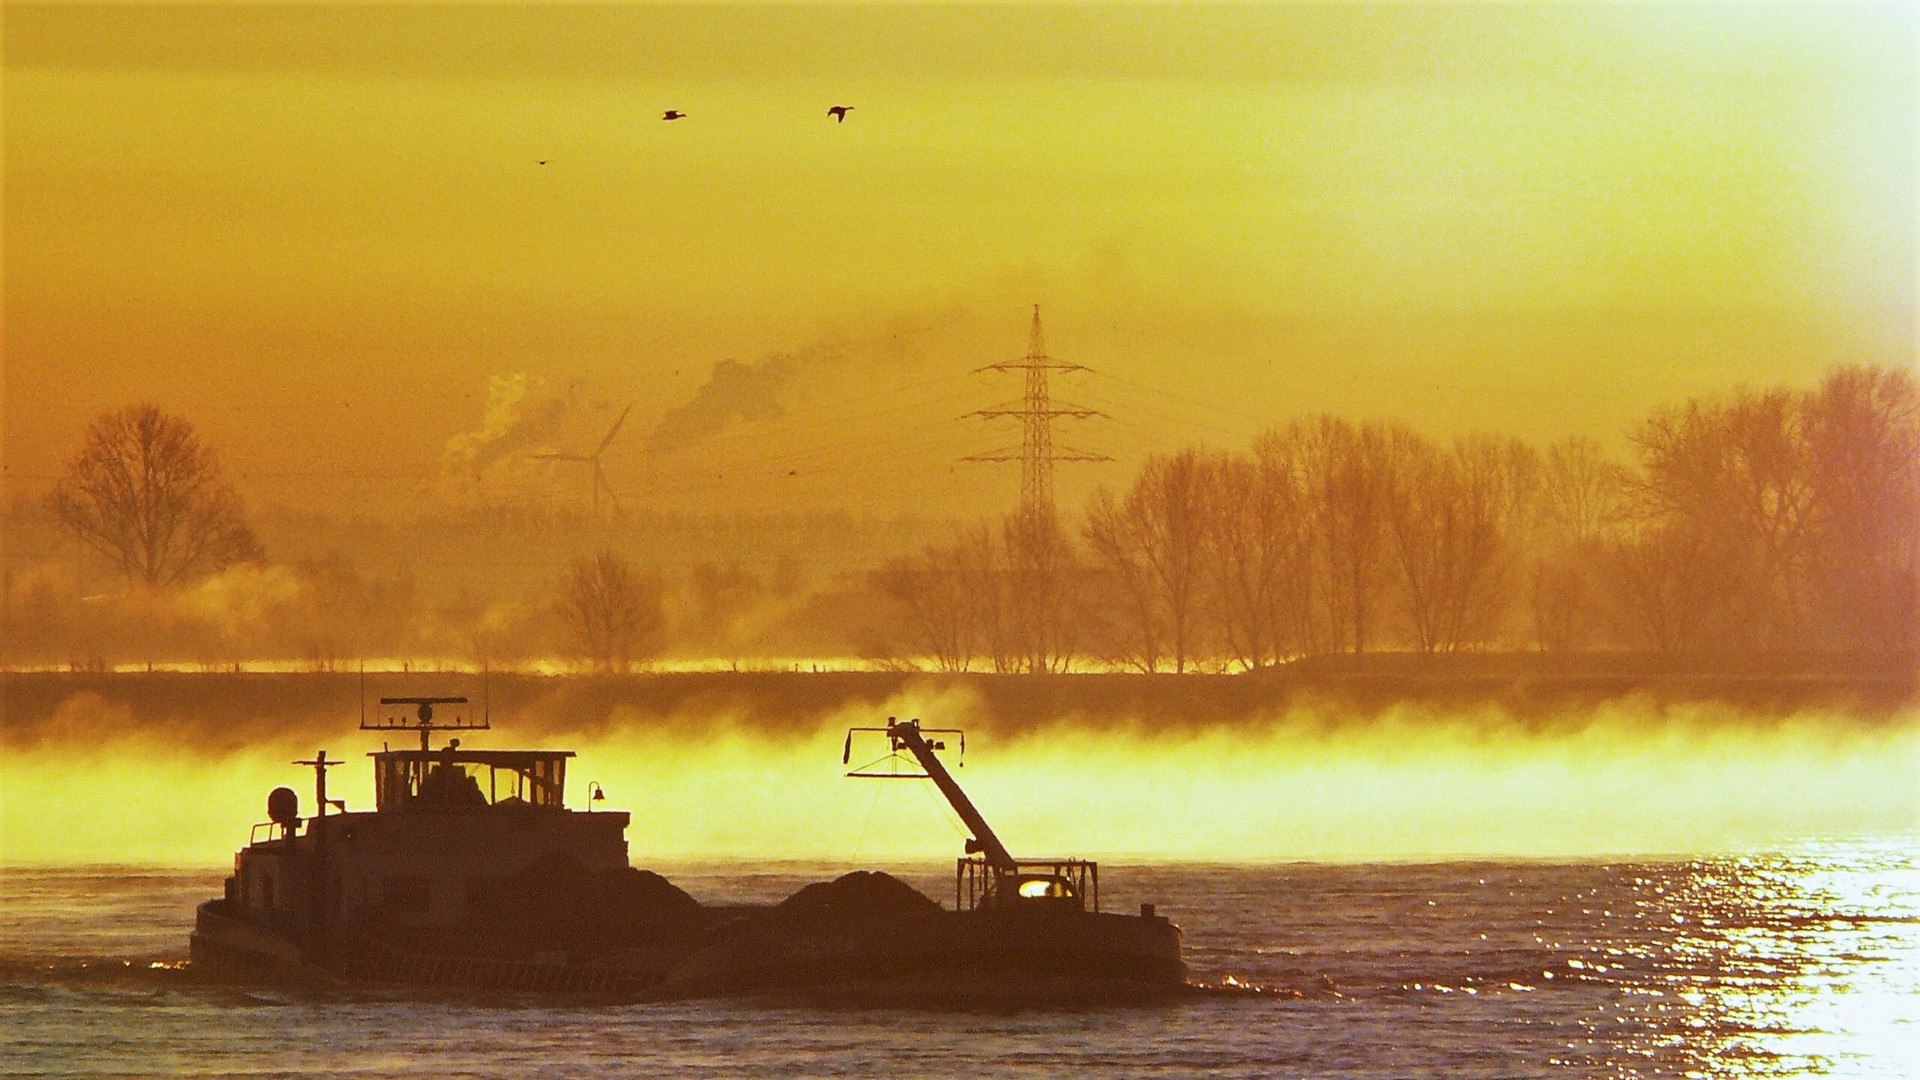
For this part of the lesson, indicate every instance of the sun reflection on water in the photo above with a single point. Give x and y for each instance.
(1790, 966)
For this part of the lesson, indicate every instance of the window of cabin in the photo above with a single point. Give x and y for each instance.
(548, 781)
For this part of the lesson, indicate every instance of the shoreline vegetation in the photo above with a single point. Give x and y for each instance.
(1767, 522)
(1530, 688)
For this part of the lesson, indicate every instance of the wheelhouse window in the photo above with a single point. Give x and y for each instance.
(470, 779)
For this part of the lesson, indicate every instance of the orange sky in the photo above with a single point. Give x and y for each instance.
(322, 232)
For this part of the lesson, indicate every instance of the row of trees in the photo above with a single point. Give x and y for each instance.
(1777, 518)
(1762, 521)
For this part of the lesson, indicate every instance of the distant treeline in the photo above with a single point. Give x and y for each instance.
(1761, 523)
(464, 586)
(1764, 521)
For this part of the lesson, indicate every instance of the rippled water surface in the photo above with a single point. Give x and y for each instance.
(1806, 963)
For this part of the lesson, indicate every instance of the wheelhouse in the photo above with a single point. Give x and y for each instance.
(453, 778)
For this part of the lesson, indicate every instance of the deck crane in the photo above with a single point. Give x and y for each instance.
(989, 875)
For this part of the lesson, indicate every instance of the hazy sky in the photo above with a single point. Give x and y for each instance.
(323, 233)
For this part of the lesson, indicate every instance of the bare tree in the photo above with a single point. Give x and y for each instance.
(1450, 516)
(1863, 433)
(1666, 579)
(1231, 553)
(1345, 474)
(1152, 543)
(1580, 491)
(980, 561)
(1422, 524)
(1303, 615)
(1259, 554)
(1001, 594)
(147, 494)
(942, 611)
(1043, 573)
(614, 612)
(1792, 519)
(1729, 487)
(1134, 633)
(1578, 510)
(1498, 479)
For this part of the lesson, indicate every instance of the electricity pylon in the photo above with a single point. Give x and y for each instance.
(1036, 412)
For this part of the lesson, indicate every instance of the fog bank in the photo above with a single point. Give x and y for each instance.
(157, 779)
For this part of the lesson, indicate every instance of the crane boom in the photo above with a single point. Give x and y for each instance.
(988, 876)
(906, 734)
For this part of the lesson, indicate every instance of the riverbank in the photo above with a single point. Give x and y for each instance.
(241, 707)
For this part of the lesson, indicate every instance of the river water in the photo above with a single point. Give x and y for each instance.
(1804, 962)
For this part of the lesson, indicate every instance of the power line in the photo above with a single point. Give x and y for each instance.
(1161, 392)
(1173, 423)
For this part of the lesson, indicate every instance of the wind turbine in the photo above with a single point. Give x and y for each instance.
(599, 475)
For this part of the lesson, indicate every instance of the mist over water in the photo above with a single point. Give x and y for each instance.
(176, 779)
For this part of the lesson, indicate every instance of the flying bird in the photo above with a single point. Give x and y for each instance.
(839, 113)
(672, 114)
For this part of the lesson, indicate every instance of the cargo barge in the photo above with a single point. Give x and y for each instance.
(472, 871)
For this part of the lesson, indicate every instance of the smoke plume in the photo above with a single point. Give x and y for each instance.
(522, 414)
(735, 392)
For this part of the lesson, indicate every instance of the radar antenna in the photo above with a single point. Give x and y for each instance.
(423, 720)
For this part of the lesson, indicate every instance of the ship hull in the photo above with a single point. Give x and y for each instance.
(940, 959)
(989, 948)
(228, 947)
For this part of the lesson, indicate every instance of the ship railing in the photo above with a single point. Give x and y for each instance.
(978, 883)
(272, 828)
